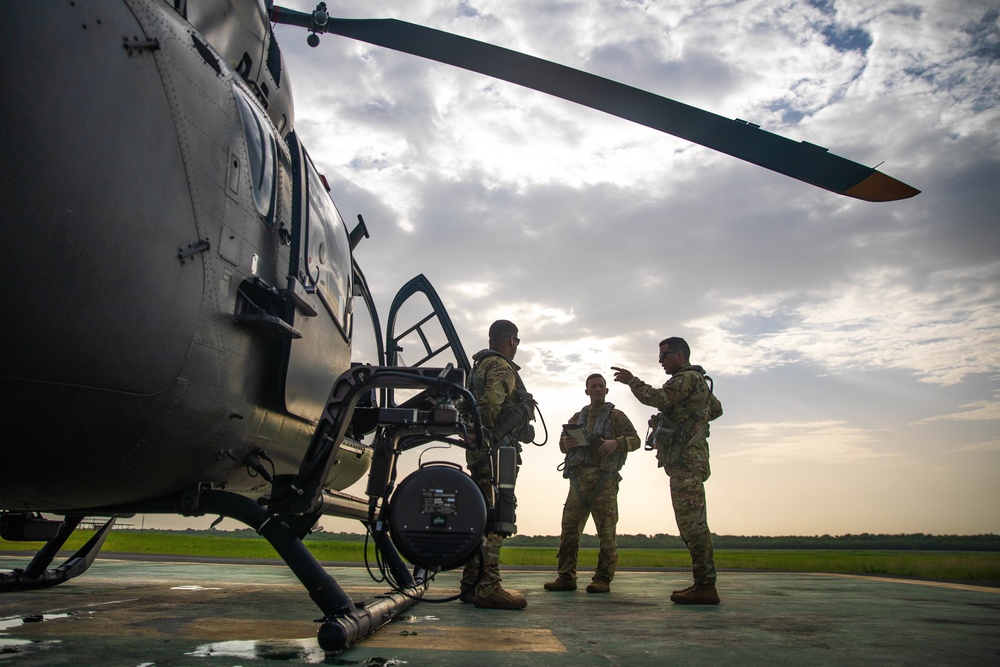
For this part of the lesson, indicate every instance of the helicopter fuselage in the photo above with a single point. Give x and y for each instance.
(179, 289)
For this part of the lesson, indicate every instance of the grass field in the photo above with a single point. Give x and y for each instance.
(954, 565)
(951, 565)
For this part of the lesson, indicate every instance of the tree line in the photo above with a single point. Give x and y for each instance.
(862, 541)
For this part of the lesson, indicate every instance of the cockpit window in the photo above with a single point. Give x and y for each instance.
(261, 155)
(328, 261)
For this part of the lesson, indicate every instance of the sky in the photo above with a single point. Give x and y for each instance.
(855, 346)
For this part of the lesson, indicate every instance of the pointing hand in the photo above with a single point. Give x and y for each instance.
(622, 375)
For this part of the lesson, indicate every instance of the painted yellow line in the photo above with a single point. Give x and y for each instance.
(455, 638)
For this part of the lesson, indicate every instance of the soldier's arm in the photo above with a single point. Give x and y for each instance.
(714, 408)
(674, 391)
(499, 382)
(623, 436)
(624, 432)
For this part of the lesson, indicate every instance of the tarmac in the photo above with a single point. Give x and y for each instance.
(141, 613)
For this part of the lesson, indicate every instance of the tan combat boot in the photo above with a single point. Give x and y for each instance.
(467, 593)
(599, 585)
(501, 600)
(561, 584)
(697, 594)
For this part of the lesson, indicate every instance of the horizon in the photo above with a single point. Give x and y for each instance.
(229, 526)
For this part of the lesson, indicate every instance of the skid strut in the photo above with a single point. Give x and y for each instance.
(298, 501)
(37, 574)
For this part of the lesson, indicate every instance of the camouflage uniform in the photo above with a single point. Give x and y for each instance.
(497, 376)
(686, 403)
(594, 492)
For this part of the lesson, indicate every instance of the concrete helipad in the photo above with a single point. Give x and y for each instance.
(170, 613)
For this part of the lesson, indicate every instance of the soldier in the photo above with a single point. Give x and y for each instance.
(506, 409)
(592, 469)
(680, 434)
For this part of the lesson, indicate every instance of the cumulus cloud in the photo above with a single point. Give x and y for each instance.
(942, 330)
(599, 237)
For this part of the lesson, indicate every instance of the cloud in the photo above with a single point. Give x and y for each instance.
(825, 442)
(599, 237)
(989, 446)
(942, 331)
(978, 411)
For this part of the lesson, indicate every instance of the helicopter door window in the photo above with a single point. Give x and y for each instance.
(328, 246)
(260, 155)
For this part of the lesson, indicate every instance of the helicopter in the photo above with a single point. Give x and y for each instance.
(184, 292)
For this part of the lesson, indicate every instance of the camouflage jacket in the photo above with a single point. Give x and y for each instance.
(680, 397)
(493, 383)
(683, 401)
(505, 406)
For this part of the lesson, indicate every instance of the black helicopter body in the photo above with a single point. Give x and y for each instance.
(181, 288)
(149, 205)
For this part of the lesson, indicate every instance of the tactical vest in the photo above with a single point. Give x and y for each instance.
(674, 429)
(587, 456)
(602, 429)
(515, 416)
(684, 411)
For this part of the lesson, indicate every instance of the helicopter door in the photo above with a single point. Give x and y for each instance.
(320, 286)
(427, 335)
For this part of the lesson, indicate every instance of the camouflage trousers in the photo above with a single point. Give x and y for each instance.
(479, 469)
(489, 583)
(590, 495)
(687, 493)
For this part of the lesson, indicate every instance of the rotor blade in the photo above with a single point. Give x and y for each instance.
(801, 160)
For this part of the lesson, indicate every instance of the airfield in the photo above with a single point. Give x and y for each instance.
(164, 612)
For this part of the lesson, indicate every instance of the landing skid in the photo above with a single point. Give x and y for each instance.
(37, 574)
(298, 501)
(344, 621)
